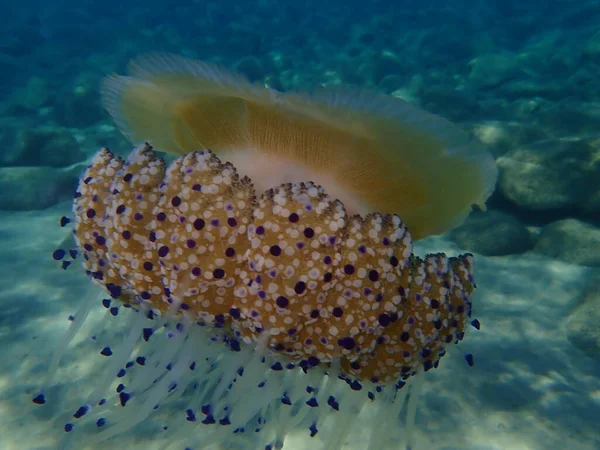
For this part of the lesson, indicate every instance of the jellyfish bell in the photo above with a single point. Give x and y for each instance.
(376, 153)
(262, 301)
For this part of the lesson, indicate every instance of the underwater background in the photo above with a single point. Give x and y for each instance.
(523, 77)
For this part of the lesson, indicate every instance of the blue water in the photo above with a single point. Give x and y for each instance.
(520, 76)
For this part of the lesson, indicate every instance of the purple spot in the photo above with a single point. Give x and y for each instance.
(218, 273)
(384, 320)
(348, 343)
(300, 287)
(282, 301)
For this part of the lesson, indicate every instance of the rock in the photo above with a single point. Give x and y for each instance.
(533, 88)
(18, 45)
(52, 147)
(583, 324)
(251, 67)
(406, 95)
(443, 45)
(36, 94)
(94, 138)
(492, 233)
(10, 151)
(273, 82)
(390, 83)
(79, 106)
(575, 118)
(30, 188)
(387, 63)
(493, 69)
(501, 137)
(367, 38)
(9, 73)
(572, 241)
(552, 175)
(592, 47)
(445, 100)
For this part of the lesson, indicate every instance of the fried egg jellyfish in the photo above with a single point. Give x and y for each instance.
(275, 293)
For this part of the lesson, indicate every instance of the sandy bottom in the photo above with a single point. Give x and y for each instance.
(529, 388)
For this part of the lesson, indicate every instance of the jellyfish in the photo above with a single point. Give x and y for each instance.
(264, 280)
(375, 153)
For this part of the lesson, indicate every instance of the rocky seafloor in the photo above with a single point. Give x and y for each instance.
(521, 76)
